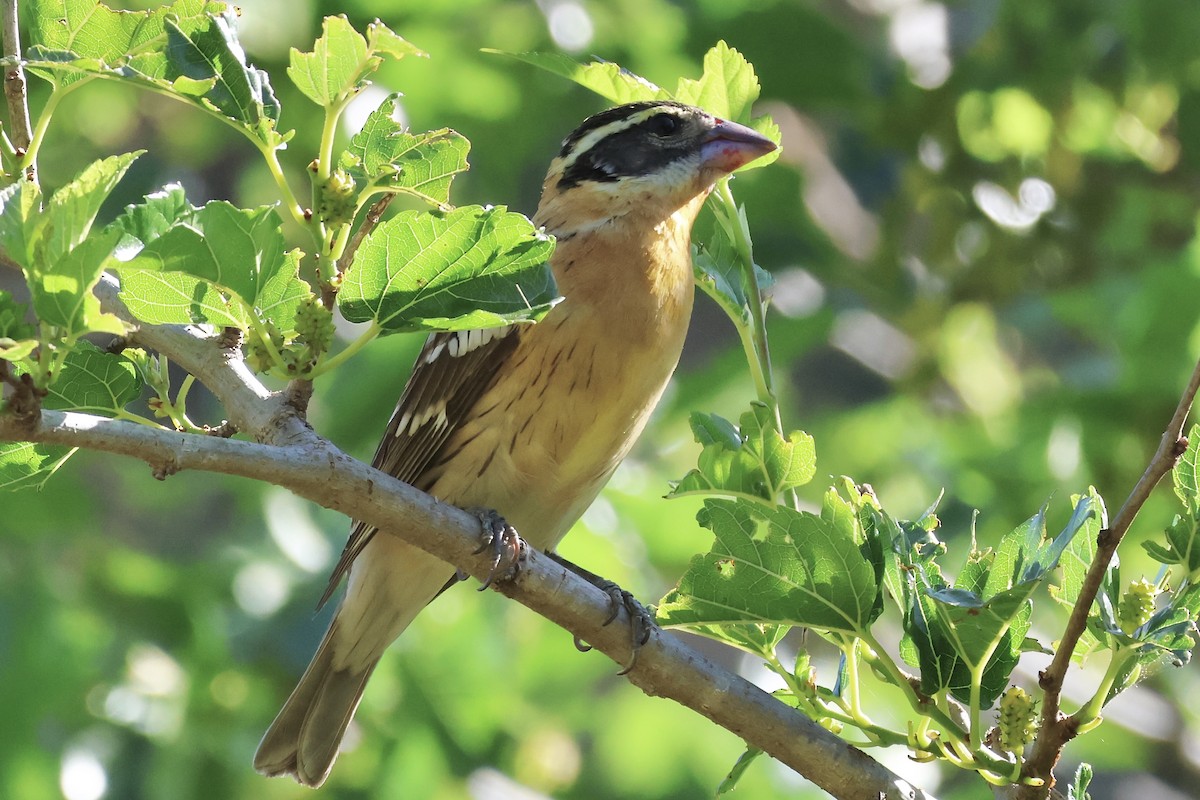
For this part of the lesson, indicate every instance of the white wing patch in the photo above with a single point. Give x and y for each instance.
(460, 343)
(410, 423)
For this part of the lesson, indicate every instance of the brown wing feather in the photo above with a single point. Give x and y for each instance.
(450, 375)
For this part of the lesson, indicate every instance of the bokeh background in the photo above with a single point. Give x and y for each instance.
(983, 232)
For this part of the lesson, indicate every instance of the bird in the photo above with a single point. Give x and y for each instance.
(529, 420)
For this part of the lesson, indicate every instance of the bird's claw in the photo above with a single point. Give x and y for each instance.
(641, 621)
(508, 548)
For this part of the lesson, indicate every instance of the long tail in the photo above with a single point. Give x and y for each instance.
(303, 740)
(389, 584)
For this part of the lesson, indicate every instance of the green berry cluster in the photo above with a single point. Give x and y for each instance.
(338, 199)
(298, 352)
(258, 355)
(1017, 719)
(1137, 605)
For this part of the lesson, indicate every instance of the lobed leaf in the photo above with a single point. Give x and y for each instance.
(25, 465)
(473, 267)
(93, 381)
(385, 157)
(727, 87)
(217, 264)
(775, 566)
(751, 460)
(342, 58)
(189, 50)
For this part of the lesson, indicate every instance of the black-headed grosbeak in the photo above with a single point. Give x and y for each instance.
(530, 420)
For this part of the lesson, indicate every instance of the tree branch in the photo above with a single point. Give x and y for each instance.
(14, 82)
(315, 469)
(1057, 730)
(290, 454)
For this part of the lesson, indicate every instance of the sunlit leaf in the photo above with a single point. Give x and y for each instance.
(25, 465)
(384, 156)
(94, 381)
(727, 87)
(774, 567)
(216, 264)
(190, 50)
(342, 58)
(473, 267)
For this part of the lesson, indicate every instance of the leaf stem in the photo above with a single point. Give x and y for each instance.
(754, 336)
(878, 658)
(28, 162)
(1090, 711)
(348, 352)
(271, 156)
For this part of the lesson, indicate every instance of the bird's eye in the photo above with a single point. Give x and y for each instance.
(663, 124)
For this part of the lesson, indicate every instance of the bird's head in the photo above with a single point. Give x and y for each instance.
(652, 157)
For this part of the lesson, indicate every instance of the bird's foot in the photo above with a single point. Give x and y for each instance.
(507, 547)
(641, 621)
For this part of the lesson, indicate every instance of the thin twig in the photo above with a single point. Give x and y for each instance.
(1057, 730)
(374, 214)
(14, 83)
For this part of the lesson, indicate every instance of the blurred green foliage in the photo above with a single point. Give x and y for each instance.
(983, 234)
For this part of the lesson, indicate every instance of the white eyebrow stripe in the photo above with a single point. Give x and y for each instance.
(591, 137)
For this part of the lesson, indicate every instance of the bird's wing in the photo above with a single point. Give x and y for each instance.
(452, 371)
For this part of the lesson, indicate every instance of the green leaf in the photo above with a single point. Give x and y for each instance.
(719, 274)
(154, 216)
(61, 264)
(1078, 557)
(16, 349)
(1186, 475)
(17, 337)
(382, 39)
(240, 91)
(179, 299)
(84, 30)
(216, 264)
(62, 294)
(473, 267)
(787, 463)
(957, 633)
(727, 87)
(1078, 788)
(752, 460)
(739, 768)
(94, 381)
(602, 77)
(385, 157)
(775, 566)
(342, 58)
(189, 50)
(967, 632)
(70, 212)
(25, 465)
(336, 65)
(20, 213)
